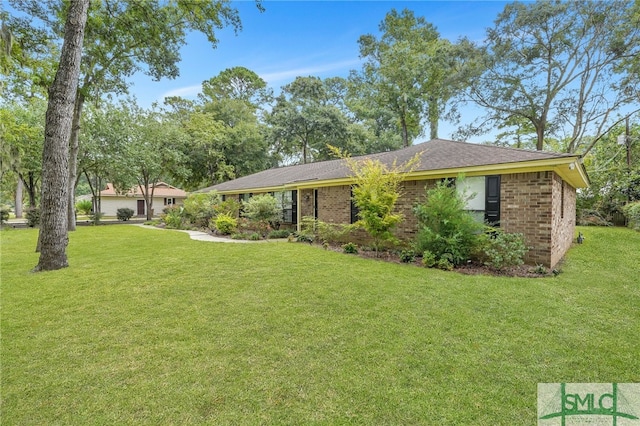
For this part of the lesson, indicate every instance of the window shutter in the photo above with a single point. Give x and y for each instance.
(354, 209)
(492, 202)
(294, 206)
(315, 204)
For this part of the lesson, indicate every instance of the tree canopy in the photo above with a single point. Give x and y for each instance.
(560, 67)
(410, 71)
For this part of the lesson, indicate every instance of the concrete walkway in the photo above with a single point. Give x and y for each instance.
(203, 236)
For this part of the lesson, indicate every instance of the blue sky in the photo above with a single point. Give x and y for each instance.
(302, 38)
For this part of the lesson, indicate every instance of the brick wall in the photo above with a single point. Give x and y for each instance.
(538, 204)
(563, 222)
(306, 203)
(526, 200)
(334, 204)
(412, 192)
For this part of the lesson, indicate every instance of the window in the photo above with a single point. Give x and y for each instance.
(288, 202)
(169, 201)
(482, 194)
(241, 198)
(473, 190)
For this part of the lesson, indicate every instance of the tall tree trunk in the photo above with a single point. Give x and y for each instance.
(433, 113)
(405, 133)
(147, 187)
(53, 236)
(304, 152)
(19, 189)
(73, 160)
(30, 184)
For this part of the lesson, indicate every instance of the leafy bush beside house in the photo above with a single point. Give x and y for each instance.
(262, 211)
(124, 213)
(4, 213)
(225, 224)
(198, 208)
(173, 217)
(503, 250)
(230, 207)
(445, 228)
(84, 207)
(449, 235)
(312, 229)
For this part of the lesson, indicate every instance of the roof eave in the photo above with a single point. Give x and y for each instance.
(569, 168)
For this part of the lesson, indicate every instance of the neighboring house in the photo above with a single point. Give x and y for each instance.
(164, 195)
(531, 192)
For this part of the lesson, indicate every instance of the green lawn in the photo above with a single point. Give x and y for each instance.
(150, 327)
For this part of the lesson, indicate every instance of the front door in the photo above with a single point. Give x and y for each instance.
(140, 207)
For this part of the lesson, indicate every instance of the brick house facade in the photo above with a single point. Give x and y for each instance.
(530, 192)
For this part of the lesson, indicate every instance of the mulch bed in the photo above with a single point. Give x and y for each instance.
(471, 268)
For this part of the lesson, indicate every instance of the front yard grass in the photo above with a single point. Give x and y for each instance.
(151, 327)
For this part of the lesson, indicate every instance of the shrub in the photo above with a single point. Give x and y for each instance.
(407, 256)
(308, 230)
(504, 250)
(33, 217)
(263, 211)
(225, 224)
(254, 236)
(428, 259)
(172, 217)
(198, 208)
(124, 213)
(304, 238)
(539, 269)
(279, 233)
(229, 207)
(331, 232)
(445, 264)
(4, 214)
(444, 227)
(632, 213)
(84, 207)
(317, 230)
(96, 217)
(350, 248)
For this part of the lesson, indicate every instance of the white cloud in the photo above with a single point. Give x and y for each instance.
(290, 74)
(270, 77)
(185, 92)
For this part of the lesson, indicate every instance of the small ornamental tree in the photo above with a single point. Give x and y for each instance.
(375, 193)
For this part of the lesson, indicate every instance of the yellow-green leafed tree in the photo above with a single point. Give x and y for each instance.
(376, 190)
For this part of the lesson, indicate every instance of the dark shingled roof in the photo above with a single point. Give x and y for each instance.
(437, 154)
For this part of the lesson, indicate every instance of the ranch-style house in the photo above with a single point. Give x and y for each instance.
(530, 192)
